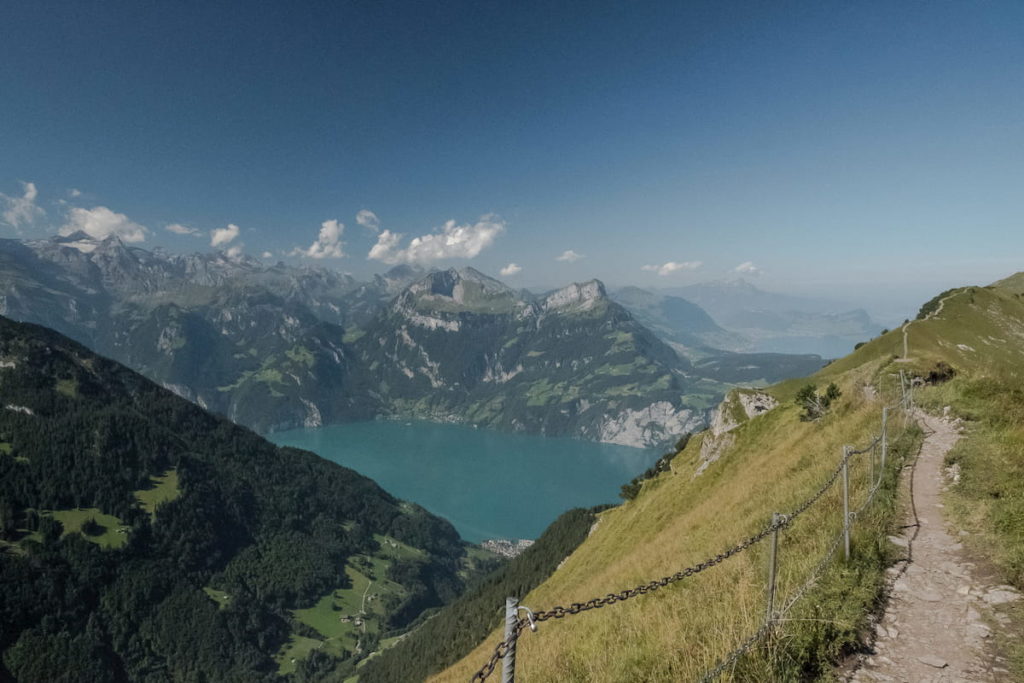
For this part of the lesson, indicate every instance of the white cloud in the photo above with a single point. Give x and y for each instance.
(569, 256)
(510, 269)
(100, 223)
(453, 241)
(267, 254)
(235, 251)
(219, 236)
(74, 192)
(673, 266)
(22, 211)
(368, 219)
(748, 268)
(179, 229)
(328, 243)
(384, 249)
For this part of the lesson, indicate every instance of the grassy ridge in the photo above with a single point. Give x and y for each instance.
(978, 331)
(988, 500)
(679, 632)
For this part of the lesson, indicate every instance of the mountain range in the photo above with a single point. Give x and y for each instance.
(276, 346)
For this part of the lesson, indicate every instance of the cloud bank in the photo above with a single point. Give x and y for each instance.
(222, 236)
(747, 268)
(368, 219)
(673, 267)
(328, 243)
(100, 223)
(19, 212)
(569, 256)
(179, 229)
(451, 241)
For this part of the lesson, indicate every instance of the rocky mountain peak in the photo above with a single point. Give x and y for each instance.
(454, 290)
(582, 296)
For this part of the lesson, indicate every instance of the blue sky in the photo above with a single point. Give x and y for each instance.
(873, 151)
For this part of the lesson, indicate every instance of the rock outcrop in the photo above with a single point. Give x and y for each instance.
(737, 407)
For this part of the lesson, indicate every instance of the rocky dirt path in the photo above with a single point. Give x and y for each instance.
(936, 625)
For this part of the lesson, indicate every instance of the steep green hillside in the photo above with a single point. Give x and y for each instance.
(977, 335)
(679, 519)
(144, 539)
(770, 463)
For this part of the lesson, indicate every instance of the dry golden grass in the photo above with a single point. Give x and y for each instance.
(679, 632)
(682, 630)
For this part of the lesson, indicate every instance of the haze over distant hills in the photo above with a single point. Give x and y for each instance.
(781, 323)
(276, 346)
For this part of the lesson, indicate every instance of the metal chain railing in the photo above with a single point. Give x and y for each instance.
(499, 652)
(559, 612)
(506, 647)
(833, 548)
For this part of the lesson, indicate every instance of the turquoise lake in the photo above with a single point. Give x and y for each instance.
(488, 484)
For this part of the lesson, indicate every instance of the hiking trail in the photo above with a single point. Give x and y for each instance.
(936, 626)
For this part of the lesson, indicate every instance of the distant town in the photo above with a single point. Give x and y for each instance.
(505, 547)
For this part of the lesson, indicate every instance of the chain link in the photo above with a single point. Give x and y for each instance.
(499, 652)
(877, 440)
(559, 612)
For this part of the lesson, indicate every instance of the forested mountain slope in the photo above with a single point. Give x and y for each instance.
(144, 539)
(965, 351)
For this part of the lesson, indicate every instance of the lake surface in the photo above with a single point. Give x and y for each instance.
(488, 484)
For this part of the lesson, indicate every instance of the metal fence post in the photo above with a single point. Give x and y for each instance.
(846, 501)
(508, 662)
(871, 470)
(885, 438)
(772, 564)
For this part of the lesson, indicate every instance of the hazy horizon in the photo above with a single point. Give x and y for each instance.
(863, 152)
